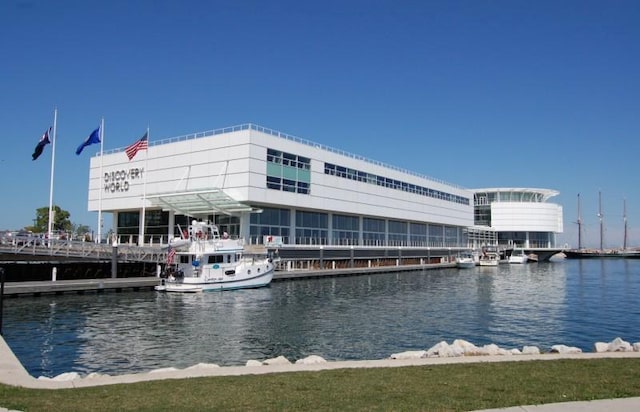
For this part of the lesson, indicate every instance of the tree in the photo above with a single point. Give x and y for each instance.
(60, 220)
(81, 231)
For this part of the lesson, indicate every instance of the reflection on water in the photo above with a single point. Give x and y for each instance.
(574, 302)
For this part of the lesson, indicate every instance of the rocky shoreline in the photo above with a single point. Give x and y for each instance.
(459, 351)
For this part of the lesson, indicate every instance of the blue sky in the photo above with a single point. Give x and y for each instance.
(478, 93)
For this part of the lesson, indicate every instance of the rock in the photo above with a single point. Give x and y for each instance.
(515, 351)
(160, 370)
(444, 350)
(600, 347)
(437, 348)
(530, 350)
(203, 366)
(412, 354)
(468, 348)
(491, 350)
(95, 375)
(619, 345)
(67, 376)
(252, 362)
(564, 349)
(311, 359)
(280, 360)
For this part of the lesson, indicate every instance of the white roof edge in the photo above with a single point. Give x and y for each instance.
(547, 193)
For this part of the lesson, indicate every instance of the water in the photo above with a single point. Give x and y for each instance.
(572, 302)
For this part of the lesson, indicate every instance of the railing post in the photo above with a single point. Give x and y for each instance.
(114, 260)
(1, 297)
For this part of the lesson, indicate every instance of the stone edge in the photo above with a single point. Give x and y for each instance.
(13, 373)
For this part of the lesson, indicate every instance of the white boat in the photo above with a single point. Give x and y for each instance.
(465, 261)
(206, 261)
(518, 256)
(489, 257)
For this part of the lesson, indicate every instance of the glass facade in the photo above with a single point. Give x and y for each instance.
(353, 174)
(273, 222)
(373, 232)
(345, 230)
(288, 172)
(417, 234)
(312, 228)
(397, 233)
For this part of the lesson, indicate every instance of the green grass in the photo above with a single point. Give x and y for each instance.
(457, 387)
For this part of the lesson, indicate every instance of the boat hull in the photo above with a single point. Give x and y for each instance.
(465, 263)
(190, 286)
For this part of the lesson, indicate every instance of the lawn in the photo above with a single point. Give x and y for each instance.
(457, 387)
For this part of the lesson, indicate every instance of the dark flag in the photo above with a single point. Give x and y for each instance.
(94, 137)
(140, 144)
(44, 140)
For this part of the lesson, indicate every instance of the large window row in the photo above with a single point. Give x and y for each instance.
(352, 174)
(317, 228)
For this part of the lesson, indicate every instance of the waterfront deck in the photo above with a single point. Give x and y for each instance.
(80, 286)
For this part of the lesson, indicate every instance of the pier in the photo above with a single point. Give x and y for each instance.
(81, 286)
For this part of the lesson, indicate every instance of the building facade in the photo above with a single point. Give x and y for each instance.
(520, 217)
(267, 186)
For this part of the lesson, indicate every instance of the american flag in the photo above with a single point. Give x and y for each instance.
(171, 253)
(140, 144)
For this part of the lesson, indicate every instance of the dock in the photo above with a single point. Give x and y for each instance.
(81, 286)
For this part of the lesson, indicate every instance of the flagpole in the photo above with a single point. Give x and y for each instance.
(99, 239)
(144, 194)
(53, 162)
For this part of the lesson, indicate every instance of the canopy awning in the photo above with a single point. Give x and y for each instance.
(200, 202)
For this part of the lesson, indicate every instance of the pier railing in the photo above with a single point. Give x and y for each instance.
(87, 250)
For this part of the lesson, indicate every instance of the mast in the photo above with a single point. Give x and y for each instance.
(601, 217)
(579, 225)
(624, 217)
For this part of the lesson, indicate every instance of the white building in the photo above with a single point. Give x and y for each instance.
(255, 182)
(521, 217)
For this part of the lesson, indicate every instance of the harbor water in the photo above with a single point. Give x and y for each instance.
(571, 302)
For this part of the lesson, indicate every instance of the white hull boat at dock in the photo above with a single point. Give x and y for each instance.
(489, 257)
(518, 256)
(207, 261)
(466, 261)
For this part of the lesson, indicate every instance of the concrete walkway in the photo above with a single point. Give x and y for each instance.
(13, 373)
(608, 405)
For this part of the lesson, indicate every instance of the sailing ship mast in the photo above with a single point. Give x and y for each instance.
(601, 216)
(579, 225)
(624, 217)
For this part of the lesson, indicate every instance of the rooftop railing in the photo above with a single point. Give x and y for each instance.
(266, 130)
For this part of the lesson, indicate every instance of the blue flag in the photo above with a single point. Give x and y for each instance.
(94, 137)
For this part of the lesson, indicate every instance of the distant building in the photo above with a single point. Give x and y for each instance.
(520, 217)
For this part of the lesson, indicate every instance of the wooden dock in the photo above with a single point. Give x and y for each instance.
(80, 286)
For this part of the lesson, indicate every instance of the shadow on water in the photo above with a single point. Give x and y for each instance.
(571, 302)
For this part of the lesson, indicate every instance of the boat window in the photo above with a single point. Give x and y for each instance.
(216, 259)
(184, 258)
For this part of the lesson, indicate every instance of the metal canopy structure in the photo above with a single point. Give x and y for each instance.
(199, 203)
